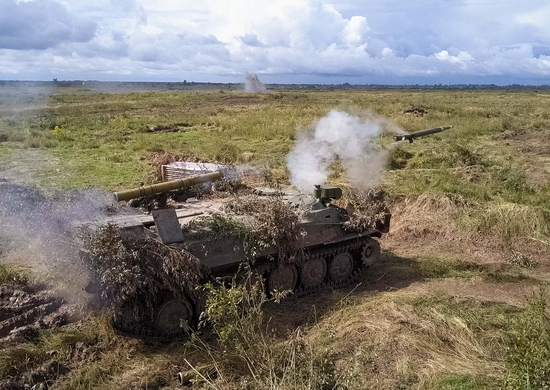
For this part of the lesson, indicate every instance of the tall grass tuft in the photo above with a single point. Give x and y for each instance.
(509, 221)
(8, 275)
(528, 365)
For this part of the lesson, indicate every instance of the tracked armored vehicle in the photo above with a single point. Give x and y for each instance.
(316, 245)
(319, 251)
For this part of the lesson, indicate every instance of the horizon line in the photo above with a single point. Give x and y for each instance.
(345, 84)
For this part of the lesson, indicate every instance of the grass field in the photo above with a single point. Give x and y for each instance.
(458, 300)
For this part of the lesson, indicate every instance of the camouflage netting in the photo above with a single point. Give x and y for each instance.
(276, 222)
(136, 273)
(258, 223)
(366, 208)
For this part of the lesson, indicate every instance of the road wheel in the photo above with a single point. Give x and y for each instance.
(313, 272)
(341, 267)
(283, 278)
(174, 316)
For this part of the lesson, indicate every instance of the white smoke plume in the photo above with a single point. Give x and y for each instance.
(253, 84)
(351, 139)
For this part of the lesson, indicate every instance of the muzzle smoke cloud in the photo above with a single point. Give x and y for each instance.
(350, 138)
(253, 84)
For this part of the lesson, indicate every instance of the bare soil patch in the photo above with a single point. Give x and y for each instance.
(538, 177)
(25, 309)
(177, 128)
(528, 141)
(416, 111)
(44, 340)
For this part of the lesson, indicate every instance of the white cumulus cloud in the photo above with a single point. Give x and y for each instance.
(288, 40)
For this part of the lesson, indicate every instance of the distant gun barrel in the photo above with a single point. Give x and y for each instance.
(411, 137)
(155, 189)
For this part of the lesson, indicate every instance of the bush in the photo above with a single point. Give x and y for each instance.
(134, 272)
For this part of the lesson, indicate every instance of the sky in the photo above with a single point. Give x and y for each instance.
(284, 41)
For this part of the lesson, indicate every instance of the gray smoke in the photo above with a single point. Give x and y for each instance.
(253, 84)
(341, 136)
(37, 232)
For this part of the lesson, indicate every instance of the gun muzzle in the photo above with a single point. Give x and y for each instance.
(411, 137)
(166, 186)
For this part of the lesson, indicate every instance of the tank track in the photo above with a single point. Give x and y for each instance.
(327, 253)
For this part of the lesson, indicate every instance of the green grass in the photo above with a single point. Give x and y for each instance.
(528, 364)
(449, 381)
(104, 140)
(430, 267)
(8, 275)
(106, 134)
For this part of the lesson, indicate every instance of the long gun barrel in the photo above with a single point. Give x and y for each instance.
(166, 186)
(411, 137)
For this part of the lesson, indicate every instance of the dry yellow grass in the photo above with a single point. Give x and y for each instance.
(474, 193)
(388, 341)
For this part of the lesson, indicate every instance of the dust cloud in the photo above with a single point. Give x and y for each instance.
(350, 137)
(37, 232)
(253, 84)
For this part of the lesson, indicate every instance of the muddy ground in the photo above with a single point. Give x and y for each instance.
(25, 310)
